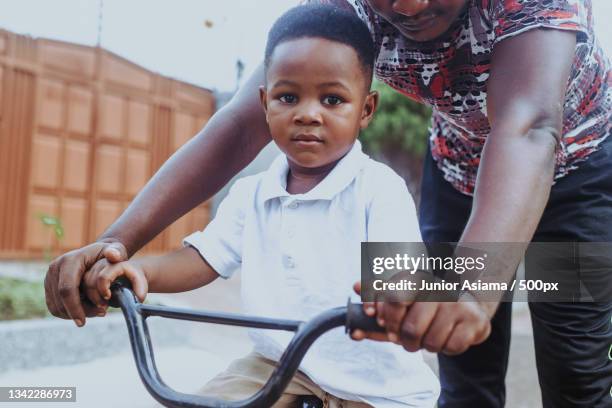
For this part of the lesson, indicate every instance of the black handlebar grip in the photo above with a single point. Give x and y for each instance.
(121, 281)
(357, 319)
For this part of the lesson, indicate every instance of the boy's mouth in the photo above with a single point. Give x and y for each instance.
(307, 138)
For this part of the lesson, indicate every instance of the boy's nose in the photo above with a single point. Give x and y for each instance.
(409, 7)
(308, 115)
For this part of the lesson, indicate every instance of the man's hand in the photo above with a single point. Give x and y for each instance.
(64, 279)
(447, 327)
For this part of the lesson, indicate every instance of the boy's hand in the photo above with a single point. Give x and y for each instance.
(371, 309)
(447, 327)
(98, 280)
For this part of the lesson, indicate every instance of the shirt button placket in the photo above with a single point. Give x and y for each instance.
(290, 232)
(289, 262)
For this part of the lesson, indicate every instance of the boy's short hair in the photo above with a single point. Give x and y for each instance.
(327, 22)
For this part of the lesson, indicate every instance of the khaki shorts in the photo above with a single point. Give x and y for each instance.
(245, 376)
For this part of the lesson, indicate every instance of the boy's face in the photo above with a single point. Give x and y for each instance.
(316, 100)
(419, 20)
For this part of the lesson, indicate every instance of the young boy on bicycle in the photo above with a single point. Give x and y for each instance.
(294, 231)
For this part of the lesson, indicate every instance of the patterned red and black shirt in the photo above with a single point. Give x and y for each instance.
(450, 74)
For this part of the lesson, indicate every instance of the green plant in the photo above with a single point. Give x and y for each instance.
(58, 231)
(399, 123)
(398, 135)
(21, 299)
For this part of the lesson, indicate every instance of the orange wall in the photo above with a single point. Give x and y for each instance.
(81, 131)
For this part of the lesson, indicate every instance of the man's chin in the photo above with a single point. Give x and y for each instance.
(428, 34)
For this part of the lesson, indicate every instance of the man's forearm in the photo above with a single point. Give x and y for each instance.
(512, 190)
(230, 141)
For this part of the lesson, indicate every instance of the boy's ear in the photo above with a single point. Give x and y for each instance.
(263, 98)
(369, 107)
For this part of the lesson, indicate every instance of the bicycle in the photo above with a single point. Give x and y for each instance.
(351, 317)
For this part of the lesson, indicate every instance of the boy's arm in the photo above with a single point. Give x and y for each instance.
(206, 255)
(230, 140)
(178, 271)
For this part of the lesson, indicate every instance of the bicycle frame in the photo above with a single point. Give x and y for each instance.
(136, 313)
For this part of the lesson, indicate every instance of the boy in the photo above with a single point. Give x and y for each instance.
(295, 230)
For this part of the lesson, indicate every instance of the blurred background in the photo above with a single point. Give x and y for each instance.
(94, 96)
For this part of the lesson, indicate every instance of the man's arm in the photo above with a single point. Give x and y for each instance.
(526, 91)
(230, 140)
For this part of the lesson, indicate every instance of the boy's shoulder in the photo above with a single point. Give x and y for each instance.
(252, 189)
(379, 177)
(377, 168)
(247, 186)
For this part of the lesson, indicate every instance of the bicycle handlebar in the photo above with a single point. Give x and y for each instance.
(351, 317)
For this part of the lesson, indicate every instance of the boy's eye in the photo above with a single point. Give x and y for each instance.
(287, 98)
(332, 100)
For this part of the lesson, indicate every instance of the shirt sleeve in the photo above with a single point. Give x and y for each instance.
(512, 17)
(220, 243)
(392, 215)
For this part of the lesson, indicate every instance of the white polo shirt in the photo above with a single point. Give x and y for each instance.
(299, 254)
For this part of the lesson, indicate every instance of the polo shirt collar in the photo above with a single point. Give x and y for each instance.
(274, 183)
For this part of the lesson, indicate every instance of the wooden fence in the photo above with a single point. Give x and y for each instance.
(81, 131)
